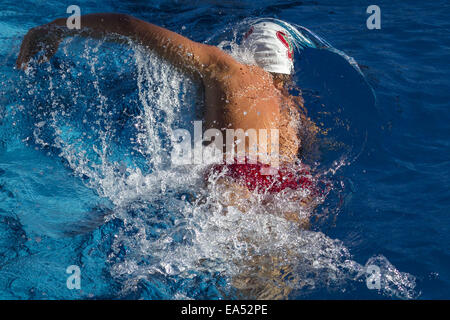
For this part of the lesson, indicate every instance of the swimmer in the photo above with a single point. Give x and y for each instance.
(237, 96)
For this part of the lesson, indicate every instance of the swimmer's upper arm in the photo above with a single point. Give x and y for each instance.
(175, 48)
(179, 50)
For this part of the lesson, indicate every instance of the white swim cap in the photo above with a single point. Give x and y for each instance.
(271, 47)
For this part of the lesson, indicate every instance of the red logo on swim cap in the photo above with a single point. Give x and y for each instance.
(287, 43)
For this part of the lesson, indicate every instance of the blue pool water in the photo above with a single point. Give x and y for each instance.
(85, 177)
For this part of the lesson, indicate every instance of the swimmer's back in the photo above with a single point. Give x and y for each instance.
(244, 97)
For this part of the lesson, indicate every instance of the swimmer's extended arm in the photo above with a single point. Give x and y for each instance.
(178, 50)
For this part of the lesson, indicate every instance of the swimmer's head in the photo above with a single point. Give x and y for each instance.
(271, 47)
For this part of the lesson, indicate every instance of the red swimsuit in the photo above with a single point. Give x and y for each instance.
(251, 176)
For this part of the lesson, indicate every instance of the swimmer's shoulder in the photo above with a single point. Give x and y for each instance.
(223, 64)
(220, 63)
